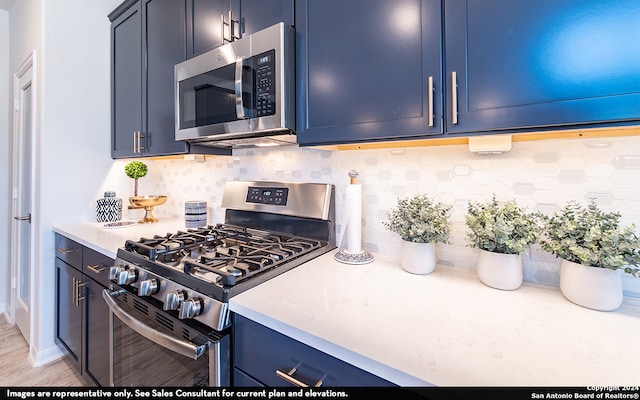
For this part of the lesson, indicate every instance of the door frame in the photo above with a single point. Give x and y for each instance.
(28, 67)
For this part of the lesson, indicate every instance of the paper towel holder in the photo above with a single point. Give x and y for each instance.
(344, 255)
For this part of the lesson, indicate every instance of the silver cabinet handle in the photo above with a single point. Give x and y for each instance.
(79, 285)
(140, 137)
(137, 141)
(75, 291)
(430, 100)
(223, 23)
(97, 268)
(64, 251)
(288, 376)
(454, 97)
(184, 348)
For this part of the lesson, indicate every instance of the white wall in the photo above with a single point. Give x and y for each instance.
(71, 39)
(5, 151)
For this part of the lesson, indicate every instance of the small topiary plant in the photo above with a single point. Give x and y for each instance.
(135, 170)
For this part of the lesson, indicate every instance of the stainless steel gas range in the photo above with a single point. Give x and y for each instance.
(169, 294)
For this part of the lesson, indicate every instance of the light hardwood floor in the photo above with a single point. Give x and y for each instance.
(16, 370)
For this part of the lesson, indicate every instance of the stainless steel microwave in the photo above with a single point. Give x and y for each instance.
(241, 93)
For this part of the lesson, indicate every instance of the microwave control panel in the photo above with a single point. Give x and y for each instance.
(265, 83)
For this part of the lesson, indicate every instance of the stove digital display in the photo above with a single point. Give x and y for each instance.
(264, 195)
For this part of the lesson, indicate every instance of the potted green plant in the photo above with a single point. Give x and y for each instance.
(502, 232)
(594, 248)
(136, 170)
(421, 223)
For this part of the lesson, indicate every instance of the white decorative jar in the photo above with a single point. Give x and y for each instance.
(591, 287)
(418, 258)
(500, 271)
(195, 213)
(109, 208)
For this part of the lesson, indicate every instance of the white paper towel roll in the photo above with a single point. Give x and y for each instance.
(353, 203)
(352, 225)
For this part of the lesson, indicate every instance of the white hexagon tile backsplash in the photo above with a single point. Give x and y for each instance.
(540, 175)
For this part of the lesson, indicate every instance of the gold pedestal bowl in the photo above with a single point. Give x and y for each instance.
(147, 202)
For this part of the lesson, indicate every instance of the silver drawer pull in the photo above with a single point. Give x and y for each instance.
(454, 98)
(288, 376)
(430, 101)
(97, 268)
(64, 251)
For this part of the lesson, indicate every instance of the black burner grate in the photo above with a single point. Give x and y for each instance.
(223, 254)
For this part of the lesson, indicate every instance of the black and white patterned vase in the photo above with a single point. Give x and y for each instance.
(109, 208)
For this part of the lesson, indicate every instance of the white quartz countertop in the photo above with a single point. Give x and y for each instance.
(444, 329)
(107, 240)
(447, 328)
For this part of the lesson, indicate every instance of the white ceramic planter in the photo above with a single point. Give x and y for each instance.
(418, 258)
(591, 287)
(500, 271)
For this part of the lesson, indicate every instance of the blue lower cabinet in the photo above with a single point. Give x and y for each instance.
(263, 356)
(82, 316)
(240, 379)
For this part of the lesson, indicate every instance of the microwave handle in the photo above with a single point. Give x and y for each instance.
(240, 113)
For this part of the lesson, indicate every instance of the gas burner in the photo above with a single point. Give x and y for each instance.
(172, 258)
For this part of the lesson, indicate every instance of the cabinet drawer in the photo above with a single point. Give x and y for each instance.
(96, 266)
(69, 251)
(268, 356)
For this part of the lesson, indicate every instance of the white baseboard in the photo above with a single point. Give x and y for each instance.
(4, 314)
(42, 357)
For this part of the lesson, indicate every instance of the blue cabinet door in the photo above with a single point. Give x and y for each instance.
(165, 44)
(126, 82)
(69, 311)
(541, 63)
(259, 14)
(366, 69)
(204, 25)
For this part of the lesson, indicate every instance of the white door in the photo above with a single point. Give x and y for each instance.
(21, 257)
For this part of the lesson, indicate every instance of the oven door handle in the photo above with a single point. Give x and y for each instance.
(184, 348)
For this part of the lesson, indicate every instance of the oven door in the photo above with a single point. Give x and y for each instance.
(150, 348)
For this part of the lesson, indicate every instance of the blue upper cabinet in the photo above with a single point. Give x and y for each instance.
(255, 15)
(368, 70)
(205, 30)
(374, 70)
(522, 65)
(211, 23)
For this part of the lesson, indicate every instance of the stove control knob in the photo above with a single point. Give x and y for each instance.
(148, 287)
(190, 308)
(173, 299)
(114, 272)
(127, 276)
